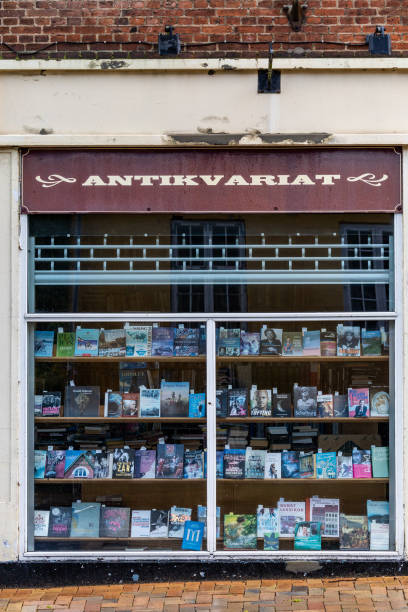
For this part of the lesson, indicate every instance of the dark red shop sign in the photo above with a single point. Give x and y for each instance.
(209, 181)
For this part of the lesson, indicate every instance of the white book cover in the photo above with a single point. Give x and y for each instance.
(267, 521)
(273, 465)
(138, 340)
(41, 522)
(149, 402)
(379, 536)
(290, 513)
(327, 512)
(344, 467)
(140, 524)
(177, 518)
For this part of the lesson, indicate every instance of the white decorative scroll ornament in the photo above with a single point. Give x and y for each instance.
(369, 178)
(54, 179)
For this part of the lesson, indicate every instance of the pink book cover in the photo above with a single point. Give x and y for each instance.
(361, 463)
(359, 403)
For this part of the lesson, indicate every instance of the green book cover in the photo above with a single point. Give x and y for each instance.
(65, 344)
(240, 531)
(380, 461)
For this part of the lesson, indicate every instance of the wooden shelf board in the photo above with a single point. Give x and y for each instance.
(118, 420)
(301, 420)
(149, 359)
(219, 480)
(202, 359)
(146, 539)
(302, 480)
(115, 480)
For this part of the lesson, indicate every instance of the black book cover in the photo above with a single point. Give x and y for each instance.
(81, 401)
(114, 522)
(238, 402)
(305, 401)
(281, 405)
(60, 522)
(170, 461)
(340, 406)
(222, 402)
(123, 463)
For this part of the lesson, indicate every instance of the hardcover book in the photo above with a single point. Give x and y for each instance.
(326, 465)
(229, 342)
(55, 464)
(220, 464)
(379, 536)
(113, 404)
(193, 535)
(361, 463)
(65, 344)
(186, 342)
(354, 532)
(250, 342)
(38, 405)
(79, 464)
(40, 459)
(159, 523)
(112, 343)
(51, 403)
(292, 345)
(379, 402)
(271, 341)
(281, 405)
(328, 343)
(43, 343)
(308, 536)
(234, 463)
(140, 524)
(132, 375)
(86, 342)
(130, 404)
(271, 540)
(101, 464)
(325, 408)
(348, 341)
(340, 406)
(170, 460)
(174, 399)
(380, 461)
(238, 402)
(177, 518)
(85, 519)
(359, 403)
(221, 402)
(193, 464)
(344, 466)
(307, 465)
(196, 405)
(378, 511)
(311, 343)
(254, 463)
(290, 513)
(123, 463)
(326, 512)
(272, 465)
(261, 402)
(267, 521)
(149, 402)
(305, 401)
(371, 342)
(145, 464)
(290, 464)
(240, 531)
(81, 401)
(162, 341)
(41, 523)
(114, 522)
(138, 340)
(60, 522)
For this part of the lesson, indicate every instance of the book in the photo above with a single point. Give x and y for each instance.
(101, 464)
(379, 511)
(240, 531)
(290, 513)
(237, 402)
(138, 340)
(261, 402)
(55, 464)
(170, 460)
(162, 341)
(348, 341)
(254, 463)
(379, 402)
(220, 464)
(328, 343)
(113, 404)
(308, 536)
(267, 520)
(174, 399)
(311, 342)
(85, 519)
(250, 342)
(354, 532)
(112, 343)
(140, 524)
(281, 405)
(38, 405)
(272, 465)
(149, 402)
(43, 343)
(371, 342)
(326, 512)
(359, 403)
(159, 523)
(326, 465)
(114, 522)
(123, 463)
(86, 342)
(271, 341)
(361, 463)
(271, 540)
(193, 464)
(40, 459)
(81, 401)
(79, 464)
(229, 342)
(186, 341)
(307, 465)
(344, 466)
(130, 404)
(41, 523)
(379, 536)
(132, 375)
(196, 405)
(290, 464)
(51, 403)
(305, 401)
(380, 461)
(202, 517)
(340, 406)
(145, 464)
(221, 402)
(65, 344)
(177, 518)
(59, 522)
(325, 407)
(234, 463)
(193, 535)
(292, 345)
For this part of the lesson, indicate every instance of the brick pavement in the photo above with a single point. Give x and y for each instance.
(377, 594)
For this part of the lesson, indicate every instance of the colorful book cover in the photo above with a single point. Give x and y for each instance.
(186, 342)
(113, 404)
(371, 342)
(86, 342)
(378, 511)
(101, 464)
(51, 403)
(85, 519)
(170, 461)
(229, 342)
(140, 524)
(267, 521)
(361, 463)
(250, 342)
(271, 341)
(112, 343)
(290, 513)
(193, 464)
(79, 464)
(38, 405)
(238, 402)
(308, 536)
(328, 343)
(359, 403)
(281, 405)
(240, 531)
(305, 401)
(325, 407)
(177, 518)
(43, 343)
(65, 344)
(307, 465)
(123, 463)
(273, 466)
(145, 464)
(40, 459)
(138, 340)
(380, 458)
(193, 535)
(55, 464)
(114, 522)
(234, 463)
(162, 341)
(159, 523)
(149, 403)
(344, 466)
(220, 464)
(196, 405)
(326, 512)
(255, 463)
(292, 345)
(60, 522)
(354, 532)
(290, 464)
(41, 523)
(379, 402)
(221, 402)
(130, 404)
(326, 465)
(340, 406)
(132, 375)
(174, 399)
(261, 402)
(271, 540)
(311, 343)
(81, 401)
(348, 341)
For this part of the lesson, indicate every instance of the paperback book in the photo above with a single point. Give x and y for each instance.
(229, 342)
(359, 403)
(193, 535)
(177, 518)
(371, 342)
(305, 401)
(145, 464)
(311, 343)
(51, 403)
(272, 465)
(112, 343)
(65, 344)
(234, 463)
(326, 512)
(130, 404)
(328, 343)
(40, 459)
(170, 460)
(221, 402)
(43, 343)
(162, 341)
(271, 540)
(267, 521)
(86, 342)
(114, 522)
(174, 399)
(55, 464)
(238, 402)
(159, 523)
(186, 342)
(41, 523)
(307, 465)
(254, 463)
(196, 405)
(326, 465)
(132, 375)
(340, 406)
(149, 402)
(123, 464)
(290, 513)
(271, 341)
(348, 341)
(101, 464)
(79, 464)
(325, 406)
(281, 405)
(60, 522)
(361, 463)
(290, 464)
(140, 524)
(138, 340)
(308, 536)
(379, 402)
(378, 514)
(85, 519)
(261, 402)
(81, 401)
(38, 405)
(240, 531)
(344, 466)
(354, 532)
(292, 345)
(380, 461)
(113, 404)
(250, 342)
(193, 464)
(202, 518)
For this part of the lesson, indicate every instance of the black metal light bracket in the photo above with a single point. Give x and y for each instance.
(269, 81)
(379, 43)
(169, 43)
(296, 14)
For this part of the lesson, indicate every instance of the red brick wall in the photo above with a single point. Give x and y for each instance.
(235, 28)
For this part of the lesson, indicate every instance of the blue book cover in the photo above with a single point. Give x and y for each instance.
(86, 342)
(162, 341)
(193, 535)
(378, 511)
(43, 343)
(326, 465)
(186, 342)
(220, 464)
(196, 405)
(193, 464)
(40, 458)
(311, 342)
(234, 463)
(290, 464)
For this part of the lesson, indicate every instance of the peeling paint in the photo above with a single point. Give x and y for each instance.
(113, 64)
(206, 137)
(37, 130)
(228, 67)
